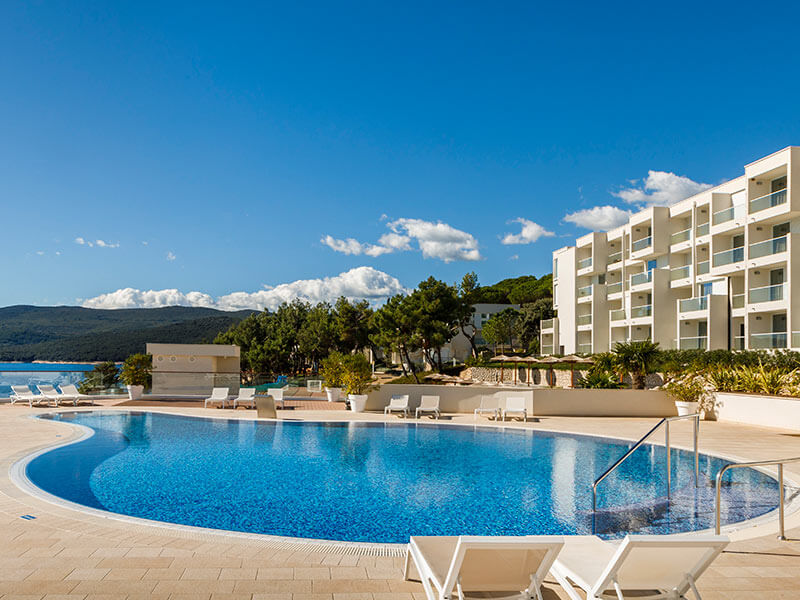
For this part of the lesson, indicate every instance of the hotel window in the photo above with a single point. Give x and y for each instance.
(555, 268)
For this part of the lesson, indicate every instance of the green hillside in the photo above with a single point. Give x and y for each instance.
(69, 333)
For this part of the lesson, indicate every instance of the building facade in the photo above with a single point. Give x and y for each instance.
(714, 271)
(192, 369)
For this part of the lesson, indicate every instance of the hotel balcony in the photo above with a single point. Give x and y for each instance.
(727, 261)
(586, 263)
(547, 324)
(680, 239)
(585, 348)
(702, 230)
(703, 268)
(612, 289)
(738, 342)
(585, 293)
(680, 276)
(642, 244)
(768, 341)
(729, 218)
(737, 301)
(767, 293)
(769, 201)
(768, 251)
(617, 315)
(614, 261)
(643, 278)
(641, 311)
(690, 305)
(584, 322)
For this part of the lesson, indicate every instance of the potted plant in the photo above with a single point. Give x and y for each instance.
(136, 374)
(332, 371)
(357, 379)
(688, 392)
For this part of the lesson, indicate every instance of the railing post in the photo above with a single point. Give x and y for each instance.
(669, 466)
(594, 509)
(718, 502)
(696, 454)
(781, 524)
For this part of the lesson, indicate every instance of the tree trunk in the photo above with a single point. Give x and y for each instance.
(637, 379)
(471, 339)
(439, 359)
(411, 365)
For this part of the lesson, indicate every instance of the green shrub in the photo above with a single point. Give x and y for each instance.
(600, 380)
(357, 377)
(137, 369)
(104, 376)
(332, 369)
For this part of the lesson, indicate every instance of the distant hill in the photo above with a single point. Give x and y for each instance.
(517, 290)
(72, 333)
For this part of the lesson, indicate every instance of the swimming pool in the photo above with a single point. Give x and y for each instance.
(381, 482)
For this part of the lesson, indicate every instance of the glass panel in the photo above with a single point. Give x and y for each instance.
(702, 229)
(680, 236)
(680, 272)
(640, 278)
(768, 201)
(727, 257)
(796, 339)
(769, 293)
(737, 301)
(642, 243)
(738, 342)
(547, 323)
(615, 258)
(585, 291)
(723, 216)
(584, 320)
(614, 288)
(691, 304)
(693, 343)
(586, 262)
(767, 247)
(617, 315)
(642, 311)
(767, 340)
(585, 348)
(702, 268)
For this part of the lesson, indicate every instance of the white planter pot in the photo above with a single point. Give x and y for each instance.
(135, 391)
(333, 394)
(358, 402)
(687, 408)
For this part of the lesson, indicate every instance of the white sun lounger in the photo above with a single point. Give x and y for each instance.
(489, 406)
(70, 393)
(667, 566)
(428, 404)
(22, 393)
(515, 405)
(398, 403)
(277, 395)
(245, 395)
(218, 394)
(482, 564)
(49, 392)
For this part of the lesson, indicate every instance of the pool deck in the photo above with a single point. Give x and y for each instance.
(66, 554)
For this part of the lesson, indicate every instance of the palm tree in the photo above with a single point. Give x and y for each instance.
(638, 359)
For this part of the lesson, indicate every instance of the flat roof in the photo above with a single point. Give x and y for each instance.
(221, 350)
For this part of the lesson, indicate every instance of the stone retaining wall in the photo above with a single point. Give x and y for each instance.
(538, 376)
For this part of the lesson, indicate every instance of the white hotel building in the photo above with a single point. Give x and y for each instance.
(718, 270)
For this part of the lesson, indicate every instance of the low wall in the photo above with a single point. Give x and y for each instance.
(540, 401)
(536, 376)
(753, 409)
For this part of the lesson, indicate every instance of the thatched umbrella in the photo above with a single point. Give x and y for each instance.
(550, 360)
(528, 360)
(574, 359)
(501, 358)
(516, 360)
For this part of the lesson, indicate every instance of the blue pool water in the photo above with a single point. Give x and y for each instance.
(381, 482)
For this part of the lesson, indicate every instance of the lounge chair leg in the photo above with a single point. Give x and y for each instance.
(690, 579)
(619, 591)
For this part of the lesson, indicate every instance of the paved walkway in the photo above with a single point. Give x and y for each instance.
(66, 554)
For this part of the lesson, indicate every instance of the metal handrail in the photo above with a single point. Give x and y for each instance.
(665, 421)
(760, 463)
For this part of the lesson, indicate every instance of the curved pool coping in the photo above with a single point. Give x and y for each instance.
(18, 475)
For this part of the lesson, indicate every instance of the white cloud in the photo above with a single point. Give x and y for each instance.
(514, 257)
(359, 283)
(171, 256)
(435, 240)
(661, 188)
(599, 218)
(530, 233)
(99, 243)
(40, 252)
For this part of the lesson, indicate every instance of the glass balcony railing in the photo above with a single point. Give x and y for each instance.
(642, 244)
(724, 215)
(547, 324)
(766, 341)
(585, 348)
(738, 342)
(586, 262)
(614, 288)
(617, 315)
(646, 310)
(680, 236)
(680, 272)
(728, 257)
(640, 278)
(796, 339)
(693, 343)
(768, 293)
(584, 320)
(768, 201)
(546, 350)
(767, 247)
(737, 301)
(693, 304)
(585, 291)
(703, 267)
(702, 229)
(615, 258)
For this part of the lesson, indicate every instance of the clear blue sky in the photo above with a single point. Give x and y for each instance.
(213, 147)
